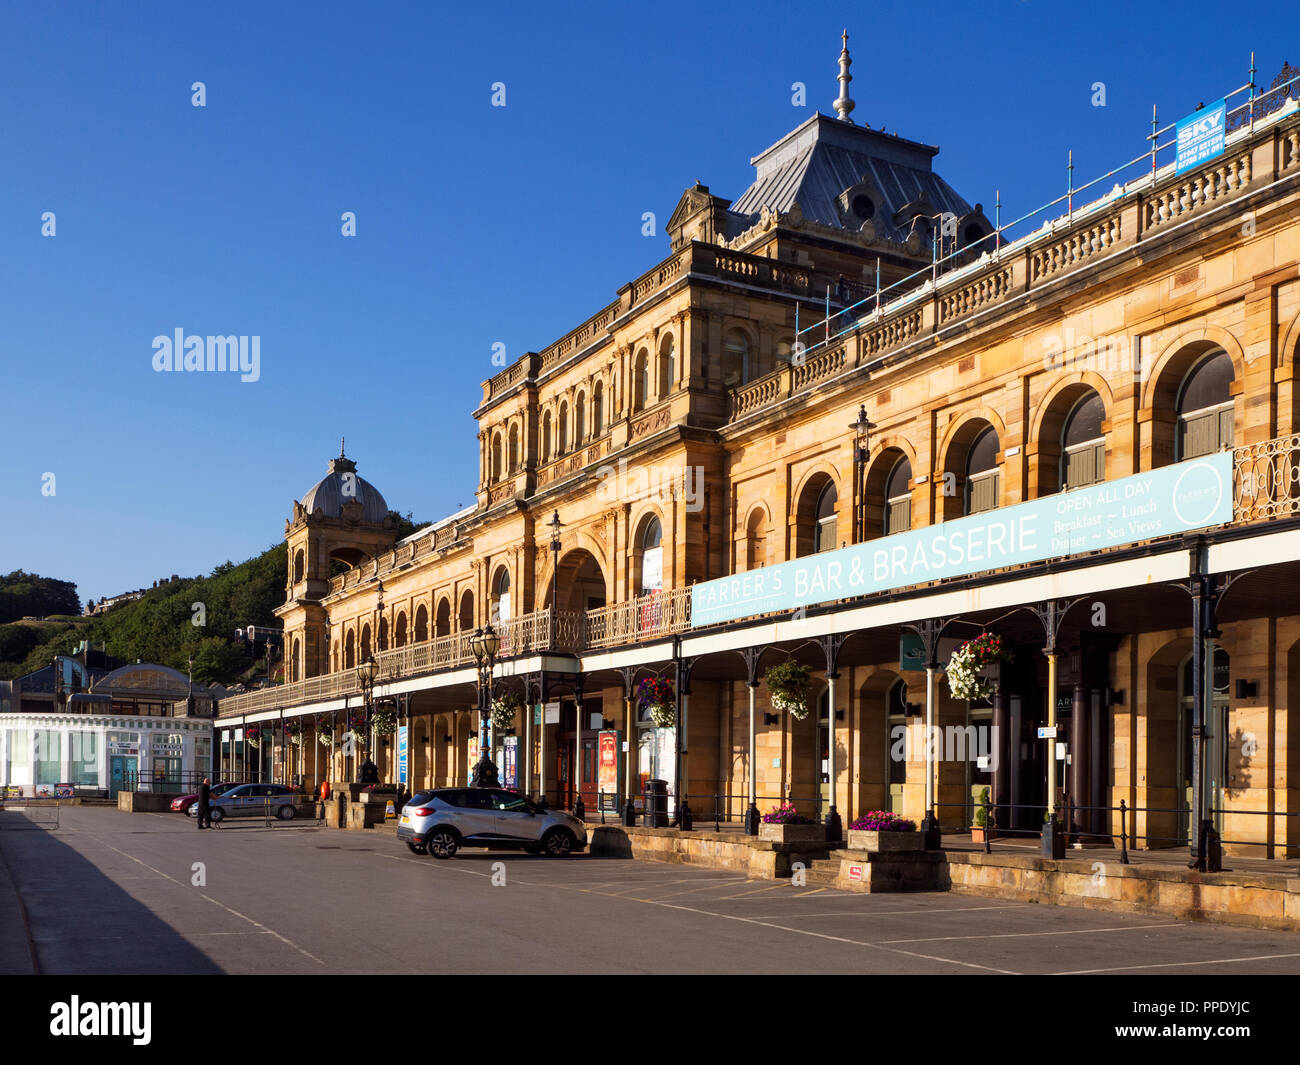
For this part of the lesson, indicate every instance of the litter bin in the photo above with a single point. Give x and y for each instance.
(656, 802)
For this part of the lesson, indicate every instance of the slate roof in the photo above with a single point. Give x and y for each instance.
(814, 163)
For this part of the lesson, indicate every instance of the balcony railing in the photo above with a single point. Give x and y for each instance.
(1266, 486)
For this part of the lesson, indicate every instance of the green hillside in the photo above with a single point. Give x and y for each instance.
(160, 626)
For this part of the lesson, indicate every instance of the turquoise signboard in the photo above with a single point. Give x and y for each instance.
(1175, 499)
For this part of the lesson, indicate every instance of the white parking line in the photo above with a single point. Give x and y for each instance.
(1173, 964)
(215, 902)
(1023, 935)
(875, 913)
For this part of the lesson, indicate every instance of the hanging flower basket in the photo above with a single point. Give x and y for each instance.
(985, 650)
(656, 695)
(293, 732)
(383, 722)
(253, 737)
(788, 688)
(504, 710)
(327, 737)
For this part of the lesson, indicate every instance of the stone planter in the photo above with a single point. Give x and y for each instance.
(862, 840)
(792, 833)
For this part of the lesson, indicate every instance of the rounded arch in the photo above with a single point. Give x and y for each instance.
(350, 649)
(816, 512)
(501, 602)
(1061, 466)
(295, 663)
(366, 650)
(739, 356)
(421, 623)
(955, 493)
(442, 618)
(667, 363)
(641, 379)
(647, 554)
(299, 565)
(886, 494)
(580, 418)
(562, 429)
(583, 584)
(546, 436)
(598, 409)
(399, 630)
(758, 527)
(513, 458)
(1165, 382)
(495, 468)
(465, 619)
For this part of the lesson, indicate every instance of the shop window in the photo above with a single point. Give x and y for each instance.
(1083, 445)
(1205, 409)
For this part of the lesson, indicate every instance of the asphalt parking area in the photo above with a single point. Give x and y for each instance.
(110, 892)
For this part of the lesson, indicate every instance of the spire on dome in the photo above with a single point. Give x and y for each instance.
(844, 105)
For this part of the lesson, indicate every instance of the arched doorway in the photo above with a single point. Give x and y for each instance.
(581, 582)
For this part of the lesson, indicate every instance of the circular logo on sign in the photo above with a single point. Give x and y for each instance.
(1196, 495)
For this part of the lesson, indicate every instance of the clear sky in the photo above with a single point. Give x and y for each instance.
(475, 224)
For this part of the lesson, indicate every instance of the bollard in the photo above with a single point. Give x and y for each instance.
(629, 813)
(1123, 834)
(717, 813)
(684, 820)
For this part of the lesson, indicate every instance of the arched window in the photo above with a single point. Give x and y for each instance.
(442, 620)
(546, 437)
(495, 469)
(564, 428)
(298, 566)
(580, 419)
(641, 380)
(827, 519)
(501, 598)
(295, 668)
(982, 473)
(399, 631)
(421, 623)
(736, 368)
(898, 498)
(466, 618)
(598, 411)
(1205, 408)
(350, 650)
(365, 643)
(1083, 445)
(756, 540)
(667, 365)
(514, 448)
(652, 557)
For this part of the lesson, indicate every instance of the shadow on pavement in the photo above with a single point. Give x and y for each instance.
(80, 921)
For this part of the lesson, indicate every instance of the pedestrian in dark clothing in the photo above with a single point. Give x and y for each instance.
(205, 804)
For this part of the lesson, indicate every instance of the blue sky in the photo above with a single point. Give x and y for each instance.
(475, 224)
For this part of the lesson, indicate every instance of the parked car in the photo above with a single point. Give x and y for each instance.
(441, 821)
(252, 800)
(188, 804)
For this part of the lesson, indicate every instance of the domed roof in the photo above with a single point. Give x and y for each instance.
(342, 485)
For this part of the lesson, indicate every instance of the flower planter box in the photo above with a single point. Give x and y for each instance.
(863, 840)
(792, 833)
(978, 835)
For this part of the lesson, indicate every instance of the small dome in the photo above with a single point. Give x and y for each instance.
(342, 485)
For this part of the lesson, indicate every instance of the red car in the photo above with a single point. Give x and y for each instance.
(185, 802)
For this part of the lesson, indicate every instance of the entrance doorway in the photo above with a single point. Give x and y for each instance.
(1216, 754)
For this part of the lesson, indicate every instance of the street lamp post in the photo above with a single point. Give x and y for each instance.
(366, 674)
(484, 644)
(555, 525)
(861, 428)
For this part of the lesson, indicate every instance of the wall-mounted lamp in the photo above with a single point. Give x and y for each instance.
(771, 719)
(607, 723)
(839, 715)
(1117, 697)
(1246, 689)
(447, 738)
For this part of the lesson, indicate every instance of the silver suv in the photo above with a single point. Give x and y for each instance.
(441, 821)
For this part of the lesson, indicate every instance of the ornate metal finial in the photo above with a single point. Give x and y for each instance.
(844, 105)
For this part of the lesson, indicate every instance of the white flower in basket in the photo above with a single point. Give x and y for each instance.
(504, 710)
(326, 738)
(797, 709)
(383, 722)
(964, 681)
(664, 715)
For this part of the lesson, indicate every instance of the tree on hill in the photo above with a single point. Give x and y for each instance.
(29, 595)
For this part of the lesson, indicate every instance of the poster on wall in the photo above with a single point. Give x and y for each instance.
(473, 759)
(510, 763)
(607, 770)
(402, 733)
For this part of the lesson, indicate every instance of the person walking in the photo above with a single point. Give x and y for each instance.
(205, 804)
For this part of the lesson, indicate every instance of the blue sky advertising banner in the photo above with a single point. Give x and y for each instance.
(1201, 135)
(1175, 499)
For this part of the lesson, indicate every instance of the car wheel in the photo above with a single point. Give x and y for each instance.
(415, 848)
(286, 813)
(442, 842)
(557, 843)
(218, 814)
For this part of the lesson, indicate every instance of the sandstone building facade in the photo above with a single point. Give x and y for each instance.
(850, 351)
